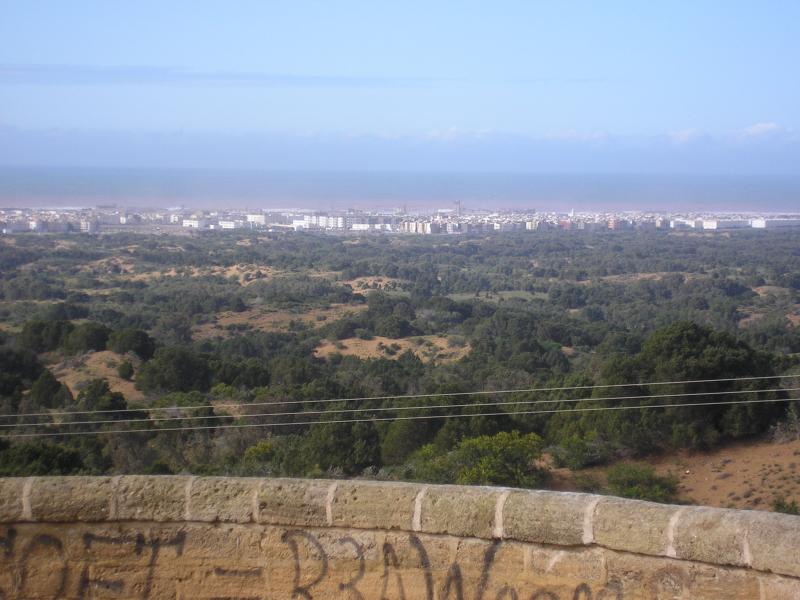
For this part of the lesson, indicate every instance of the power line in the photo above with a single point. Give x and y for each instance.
(399, 396)
(406, 418)
(390, 408)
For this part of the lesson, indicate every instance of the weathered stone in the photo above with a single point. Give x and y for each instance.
(366, 505)
(711, 535)
(151, 498)
(779, 588)
(222, 499)
(633, 526)
(354, 539)
(70, 498)
(653, 578)
(459, 510)
(773, 541)
(546, 517)
(294, 502)
(11, 499)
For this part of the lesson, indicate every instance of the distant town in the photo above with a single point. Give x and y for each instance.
(115, 219)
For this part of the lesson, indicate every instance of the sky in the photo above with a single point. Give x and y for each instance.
(561, 86)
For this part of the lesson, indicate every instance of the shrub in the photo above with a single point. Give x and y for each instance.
(506, 458)
(790, 507)
(641, 482)
(125, 370)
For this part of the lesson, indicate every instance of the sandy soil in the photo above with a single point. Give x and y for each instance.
(75, 371)
(265, 319)
(747, 475)
(769, 290)
(365, 285)
(427, 348)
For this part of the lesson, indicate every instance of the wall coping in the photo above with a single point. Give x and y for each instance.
(762, 541)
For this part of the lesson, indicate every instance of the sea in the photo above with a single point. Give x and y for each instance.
(232, 189)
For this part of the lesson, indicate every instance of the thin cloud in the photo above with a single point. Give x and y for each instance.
(760, 129)
(57, 74)
(153, 75)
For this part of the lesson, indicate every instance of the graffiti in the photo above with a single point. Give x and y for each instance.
(394, 573)
(55, 561)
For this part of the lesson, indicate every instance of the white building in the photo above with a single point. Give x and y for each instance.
(195, 223)
(257, 220)
(717, 224)
(774, 223)
(231, 224)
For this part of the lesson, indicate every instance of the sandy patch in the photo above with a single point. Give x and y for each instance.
(747, 475)
(265, 319)
(427, 348)
(76, 371)
(769, 290)
(749, 318)
(367, 284)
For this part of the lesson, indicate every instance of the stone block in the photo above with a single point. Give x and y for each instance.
(546, 517)
(632, 526)
(293, 502)
(462, 511)
(773, 541)
(63, 499)
(151, 498)
(711, 535)
(11, 499)
(230, 499)
(366, 505)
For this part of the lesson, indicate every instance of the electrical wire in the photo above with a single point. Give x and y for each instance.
(388, 409)
(399, 396)
(382, 419)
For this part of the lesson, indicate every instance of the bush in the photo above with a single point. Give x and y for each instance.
(125, 370)
(132, 340)
(506, 458)
(174, 369)
(790, 507)
(85, 337)
(641, 482)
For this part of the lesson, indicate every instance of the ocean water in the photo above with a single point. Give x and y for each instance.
(26, 187)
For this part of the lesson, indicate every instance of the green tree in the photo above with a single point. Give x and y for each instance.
(641, 482)
(46, 392)
(86, 337)
(125, 370)
(174, 368)
(506, 458)
(137, 341)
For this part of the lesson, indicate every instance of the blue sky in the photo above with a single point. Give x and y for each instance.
(531, 86)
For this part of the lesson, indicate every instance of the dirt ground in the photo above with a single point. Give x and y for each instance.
(75, 371)
(364, 285)
(266, 319)
(748, 475)
(427, 348)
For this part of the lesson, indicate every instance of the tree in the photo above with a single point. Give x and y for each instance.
(506, 458)
(174, 368)
(86, 337)
(46, 392)
(137, 341)
(641, 482)
(97, 396)
(38, 458)
(393, 327)
(125, 370)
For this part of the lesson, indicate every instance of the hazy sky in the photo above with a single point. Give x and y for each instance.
(684, 86)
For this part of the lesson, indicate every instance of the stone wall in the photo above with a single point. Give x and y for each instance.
(246, 539)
